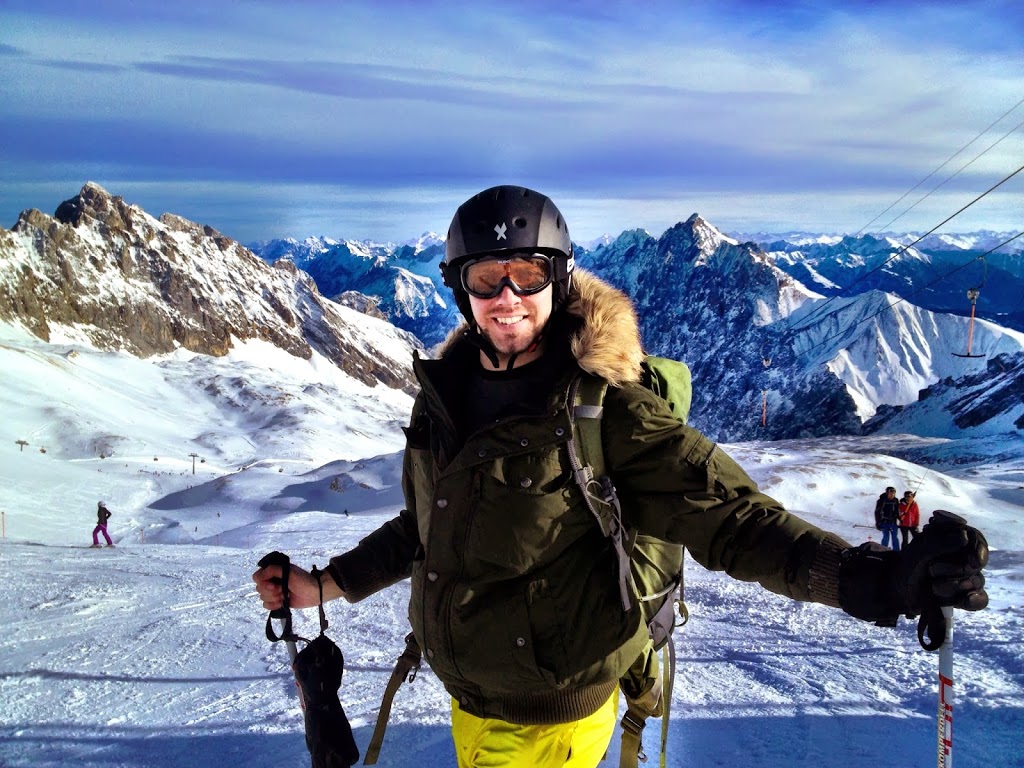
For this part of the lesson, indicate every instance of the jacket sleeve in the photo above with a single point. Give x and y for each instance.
(384, 557)
(676, 484)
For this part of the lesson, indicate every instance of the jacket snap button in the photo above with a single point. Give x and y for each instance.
(481, 453)
(526, 482)
(442, 503)
(520, 642)
(432, 576)
(559, 431)
(524, 442)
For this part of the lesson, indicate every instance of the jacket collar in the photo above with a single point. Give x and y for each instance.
(606, 342)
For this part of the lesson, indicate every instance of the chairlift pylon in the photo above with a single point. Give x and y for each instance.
(766, 361)
(972, 296)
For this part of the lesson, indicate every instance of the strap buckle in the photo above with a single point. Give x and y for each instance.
(633, 724)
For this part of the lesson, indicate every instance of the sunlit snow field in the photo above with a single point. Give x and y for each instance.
(153, 653)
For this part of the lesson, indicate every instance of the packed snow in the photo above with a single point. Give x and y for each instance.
(153, 653)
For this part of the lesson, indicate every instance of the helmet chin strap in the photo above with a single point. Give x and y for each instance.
(533, 346)
(481, 342)
(484, 345)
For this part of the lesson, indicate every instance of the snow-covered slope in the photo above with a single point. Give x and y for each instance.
(88, 421)
(153, 654)
(886, 350)
(104, 270)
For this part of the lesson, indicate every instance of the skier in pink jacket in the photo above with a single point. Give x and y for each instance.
(102, 515)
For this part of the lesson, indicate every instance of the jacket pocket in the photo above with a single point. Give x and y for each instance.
(525, 515)
(423, 487)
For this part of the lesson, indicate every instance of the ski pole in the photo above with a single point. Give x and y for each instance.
(945, 721)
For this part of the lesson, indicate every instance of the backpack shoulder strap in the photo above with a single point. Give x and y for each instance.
(586, 457)
(406, 667)
(587, 411)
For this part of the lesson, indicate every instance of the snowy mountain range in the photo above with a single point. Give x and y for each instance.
(736, 305)
(403, 281)
(934, 273)
(771, 357)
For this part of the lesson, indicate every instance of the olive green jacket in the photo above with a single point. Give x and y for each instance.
(515, 597)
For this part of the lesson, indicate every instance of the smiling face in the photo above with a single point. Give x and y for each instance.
(511, 323)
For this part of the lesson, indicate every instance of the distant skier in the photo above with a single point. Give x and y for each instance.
(102, 515)
(887, 515)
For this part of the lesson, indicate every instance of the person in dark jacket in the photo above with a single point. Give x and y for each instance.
(887, 517)
(102, 516)
(515, 597)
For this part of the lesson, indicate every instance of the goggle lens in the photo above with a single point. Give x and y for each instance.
(524, 274)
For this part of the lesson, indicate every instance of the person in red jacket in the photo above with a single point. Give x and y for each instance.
(910, 516)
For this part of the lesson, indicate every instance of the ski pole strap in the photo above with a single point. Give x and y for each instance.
(933, 624)
(284, 613)
(318, 575)
(406, 667)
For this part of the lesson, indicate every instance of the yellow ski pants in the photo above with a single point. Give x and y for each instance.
(487, 743)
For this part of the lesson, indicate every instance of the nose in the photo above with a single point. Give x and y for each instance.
(507, 296)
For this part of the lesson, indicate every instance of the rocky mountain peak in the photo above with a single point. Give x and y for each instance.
(106, 270)
(96, 204)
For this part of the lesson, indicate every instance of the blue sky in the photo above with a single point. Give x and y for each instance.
(376, 119)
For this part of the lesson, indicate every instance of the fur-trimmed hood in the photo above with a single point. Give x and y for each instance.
(608, 342)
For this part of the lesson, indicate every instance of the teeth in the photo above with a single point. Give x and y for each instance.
(507, 320)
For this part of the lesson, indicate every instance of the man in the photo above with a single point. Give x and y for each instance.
(887, 515)
(515, 597)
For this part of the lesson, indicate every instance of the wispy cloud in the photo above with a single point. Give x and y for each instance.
(825, 109)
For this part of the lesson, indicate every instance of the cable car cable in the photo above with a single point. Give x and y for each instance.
(947, 162)
(905, 248)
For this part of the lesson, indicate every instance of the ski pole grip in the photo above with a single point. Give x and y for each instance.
(935, 621)
(281, 559)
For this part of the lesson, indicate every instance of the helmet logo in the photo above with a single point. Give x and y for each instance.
(500, 229)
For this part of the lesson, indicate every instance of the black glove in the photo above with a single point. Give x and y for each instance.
(940, 567)
(318, 669)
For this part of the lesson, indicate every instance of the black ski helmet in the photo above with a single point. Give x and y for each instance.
(507, 219)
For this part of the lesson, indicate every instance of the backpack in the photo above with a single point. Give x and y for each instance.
(650, 567)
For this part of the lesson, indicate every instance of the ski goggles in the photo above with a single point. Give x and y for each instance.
(524, 273)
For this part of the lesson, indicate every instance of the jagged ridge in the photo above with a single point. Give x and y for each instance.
(114, 274)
